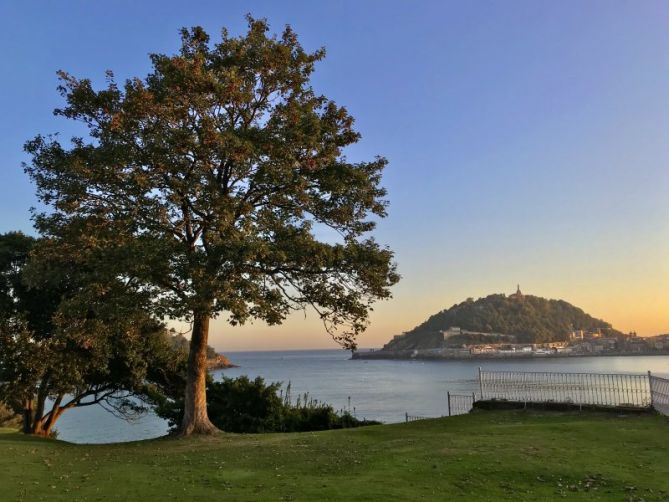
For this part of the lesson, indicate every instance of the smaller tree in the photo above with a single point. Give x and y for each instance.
(89, 343)
(116, 367)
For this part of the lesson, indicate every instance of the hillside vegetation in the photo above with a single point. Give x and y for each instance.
(511, 455)
(531, 319)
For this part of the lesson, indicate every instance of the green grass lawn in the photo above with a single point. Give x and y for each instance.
(511, 455)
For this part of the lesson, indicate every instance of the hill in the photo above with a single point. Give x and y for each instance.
(511, 455)
(526, 318)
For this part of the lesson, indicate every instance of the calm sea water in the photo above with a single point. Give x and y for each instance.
(378, 390)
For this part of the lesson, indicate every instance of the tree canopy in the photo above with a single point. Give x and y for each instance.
(208, 182)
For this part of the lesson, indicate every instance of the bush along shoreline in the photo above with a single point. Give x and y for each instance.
(244, 405)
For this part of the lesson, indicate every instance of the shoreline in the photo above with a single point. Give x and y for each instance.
(409, 355)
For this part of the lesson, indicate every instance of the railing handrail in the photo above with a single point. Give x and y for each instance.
(484, 372)
(413, 418)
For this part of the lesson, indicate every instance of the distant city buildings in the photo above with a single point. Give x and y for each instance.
(579, 341)
(458, 343)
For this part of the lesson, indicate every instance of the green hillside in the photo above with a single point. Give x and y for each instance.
(531, 319)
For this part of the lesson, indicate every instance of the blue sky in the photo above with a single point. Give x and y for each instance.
(527, 140)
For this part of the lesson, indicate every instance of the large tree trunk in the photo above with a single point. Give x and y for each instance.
(42, 424)
(195, 419)
(43, 427)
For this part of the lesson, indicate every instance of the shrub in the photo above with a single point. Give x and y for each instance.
(253, 406)
(244, 405)
(8, 418)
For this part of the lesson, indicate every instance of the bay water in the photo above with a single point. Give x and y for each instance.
(381, 390)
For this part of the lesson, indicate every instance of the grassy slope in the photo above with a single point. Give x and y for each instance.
(487, 455)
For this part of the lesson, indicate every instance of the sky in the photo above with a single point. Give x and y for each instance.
(527, 140)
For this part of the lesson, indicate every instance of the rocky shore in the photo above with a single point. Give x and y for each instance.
(220, 362)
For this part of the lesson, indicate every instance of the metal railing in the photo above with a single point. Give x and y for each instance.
(615, 390)
(413, 418)
(659, 393)
(599, 389)
(460, 404)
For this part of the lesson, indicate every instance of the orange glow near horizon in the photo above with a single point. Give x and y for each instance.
(647, 318)
(626, 285)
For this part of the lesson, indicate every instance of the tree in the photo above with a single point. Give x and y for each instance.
(67, 343)
(208, 182)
